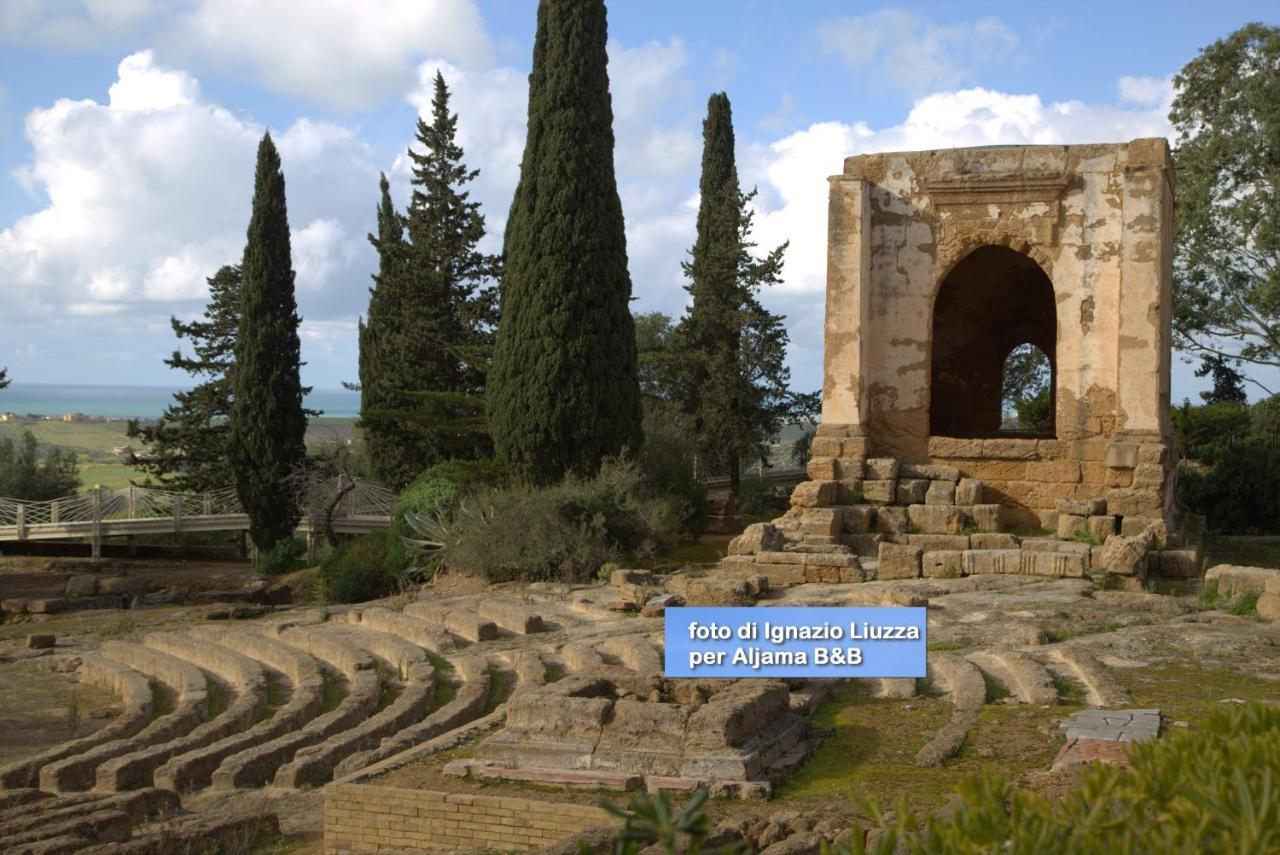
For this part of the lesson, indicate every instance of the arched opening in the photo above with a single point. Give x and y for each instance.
(995, 305)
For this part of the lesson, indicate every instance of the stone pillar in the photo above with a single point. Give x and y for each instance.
(844, 393)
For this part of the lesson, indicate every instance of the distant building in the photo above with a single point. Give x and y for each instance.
(74, 417)
(9, 417)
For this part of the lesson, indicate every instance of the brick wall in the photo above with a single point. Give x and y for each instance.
(369, 818)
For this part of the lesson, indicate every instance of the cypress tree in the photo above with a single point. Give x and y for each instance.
(563, 390)
(423, 377)
(731, 350)
(382, 368)
(189, 447)
(268, 423)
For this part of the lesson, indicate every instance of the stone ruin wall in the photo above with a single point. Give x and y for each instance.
(1098, 220)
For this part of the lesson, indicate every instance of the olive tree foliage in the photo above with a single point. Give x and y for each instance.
(1227, 254)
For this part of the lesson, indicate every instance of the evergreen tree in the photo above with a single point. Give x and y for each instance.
(563, 391)
(433, 329)
(189, 447)
(731, 350)
(1228, 382)
(268, 423)
(4, 377)
(382, 336)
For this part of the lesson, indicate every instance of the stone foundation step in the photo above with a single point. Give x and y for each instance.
(1022, 676)
(967, 692)
(1101, 688)
(245, 679)
(420, 632)
(305, 685)
(183, 679)
(521, 620)
(136, 699)
(593, 778)
(461, 622)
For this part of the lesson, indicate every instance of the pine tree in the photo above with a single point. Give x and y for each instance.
(563, 390)
(189, 447)
(4, 377)
(734, 383)
(268, 423)
(434, 329)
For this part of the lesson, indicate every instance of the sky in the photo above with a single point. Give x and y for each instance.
(128, 130)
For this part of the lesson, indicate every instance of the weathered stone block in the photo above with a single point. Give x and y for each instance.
(937, 519)
(1069, 525)
(882, 469)
(1150, 452)
(41, 641)
(1052, 544)
(939, 542)
(1082, 507)
(866, 545)
(987, 517)
(814, 494)
(942, 564)
(1148, 475)
(947, 446)
(1236, 579)
(977, 562)
(1101, 527)
(1134, 526)
(1010, 449)
(757, 537)
(1269, 606)
(879, 491)
(859, 518)
(1134, 502)
(1179, 563)
(825, 446)
(81, 585)
(821, 469)
(992, 540)
(898, 561)
(969, 492)
(891, 520)
(1127, 556)
(929, 472)
(1059, 564)
(1120, 455)
(849, 492)
(822, 521)
(940, 493)
(849, 469)
(1054, 471)
(911, 491)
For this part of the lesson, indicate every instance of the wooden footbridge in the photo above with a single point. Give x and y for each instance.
(100, 513)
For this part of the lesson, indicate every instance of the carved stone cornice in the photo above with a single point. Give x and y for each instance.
(978, 189)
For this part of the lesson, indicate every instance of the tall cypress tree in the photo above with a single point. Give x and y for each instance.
(423, 377)
(731, 350)
(382, 368)
(268, 423)
(189, 447)
(563, 390)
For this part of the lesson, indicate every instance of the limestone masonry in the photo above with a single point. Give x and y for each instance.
(941, 262)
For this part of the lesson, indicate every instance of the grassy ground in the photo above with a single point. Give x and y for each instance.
(1252, 552)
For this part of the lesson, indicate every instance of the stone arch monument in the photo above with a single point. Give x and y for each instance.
(939, 262)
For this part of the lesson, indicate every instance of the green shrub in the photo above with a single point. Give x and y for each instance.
(1205, 433)
(666, 465)
(566, 531)
(1206, 790)
(356, 571)
(1241, 493)
(435, 492)
(285, 557)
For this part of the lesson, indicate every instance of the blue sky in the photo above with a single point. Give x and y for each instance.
(127, 130)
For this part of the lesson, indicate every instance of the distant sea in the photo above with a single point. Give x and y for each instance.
(129, 402)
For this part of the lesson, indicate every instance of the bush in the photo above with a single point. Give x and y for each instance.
(356, 571)
(1240, 494)
(284, 557)
(565, 532)
(435, 492)
(666, 466)
(759, 499)
(1205, 433)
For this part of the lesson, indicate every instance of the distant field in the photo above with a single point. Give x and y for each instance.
(93, 444)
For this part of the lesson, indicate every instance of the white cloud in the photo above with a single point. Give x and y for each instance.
(1146, 91)
(71, 24)
(149, 193)
(792, 171)
(915, 54)
(344, 54)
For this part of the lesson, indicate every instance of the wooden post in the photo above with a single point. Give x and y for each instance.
(55, 511)
(133, 502)
(177, 512)
(207, 505)
(21, 521)
(96, 544)
(311, 546)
